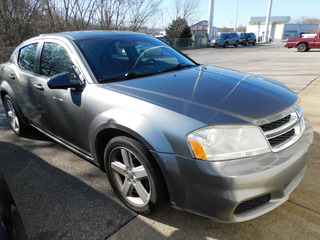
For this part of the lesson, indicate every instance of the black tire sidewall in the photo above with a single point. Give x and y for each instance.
(144, 157)
(302, 47)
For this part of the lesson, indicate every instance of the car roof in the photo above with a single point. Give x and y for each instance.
(77, 35)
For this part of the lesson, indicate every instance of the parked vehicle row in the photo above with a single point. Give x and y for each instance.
(232, 38)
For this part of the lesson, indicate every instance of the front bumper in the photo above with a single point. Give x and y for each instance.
(217, 44)
(236, 190)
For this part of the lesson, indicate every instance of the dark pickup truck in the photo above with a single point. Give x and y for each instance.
(305, 43)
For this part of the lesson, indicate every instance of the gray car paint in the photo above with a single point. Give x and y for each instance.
(160, 111)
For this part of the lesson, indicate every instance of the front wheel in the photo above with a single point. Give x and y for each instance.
(254, 43)
(302, 47)
(225, 45)
(13, 117)
(236, 44)
(134, 175)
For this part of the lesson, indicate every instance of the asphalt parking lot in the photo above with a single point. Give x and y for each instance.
(61, 196)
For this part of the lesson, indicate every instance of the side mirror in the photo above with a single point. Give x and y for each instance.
(62, 81)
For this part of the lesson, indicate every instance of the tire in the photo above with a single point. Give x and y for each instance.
(134, 175)
(16, 124)
(302, 47)
(226, 44)
(254, 43)
(236, 44)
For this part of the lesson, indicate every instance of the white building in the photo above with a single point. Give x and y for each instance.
(279, 28)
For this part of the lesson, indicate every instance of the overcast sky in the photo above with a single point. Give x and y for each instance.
(225, 10)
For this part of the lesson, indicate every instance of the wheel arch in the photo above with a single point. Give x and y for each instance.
(114, 130)
(3, 93)
(304, 43)
(109, 132)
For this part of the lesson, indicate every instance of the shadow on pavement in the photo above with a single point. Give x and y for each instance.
(55, 203)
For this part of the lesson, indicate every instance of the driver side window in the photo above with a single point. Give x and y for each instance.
(54, 60)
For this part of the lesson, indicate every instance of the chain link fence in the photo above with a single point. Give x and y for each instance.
(196, 41)
(5, 53)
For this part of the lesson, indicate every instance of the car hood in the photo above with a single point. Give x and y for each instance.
(204, 92)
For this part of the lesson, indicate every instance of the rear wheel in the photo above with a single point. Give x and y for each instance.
(302, 47)
(246, 43)
(13, 117)
(236, 44)
(226, 44)
(254, 43)
(134, 175)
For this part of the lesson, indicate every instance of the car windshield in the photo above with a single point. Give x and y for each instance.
(128, 56)
(223, 36)
(242, 35)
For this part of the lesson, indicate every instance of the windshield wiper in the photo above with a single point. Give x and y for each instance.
(177, 67)
(127, 76)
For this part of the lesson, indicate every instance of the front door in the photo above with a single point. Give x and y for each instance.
(65, 112)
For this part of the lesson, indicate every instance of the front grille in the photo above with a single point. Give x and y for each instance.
(283, 132)
(252, 203)
(282, 138)
(275, 124)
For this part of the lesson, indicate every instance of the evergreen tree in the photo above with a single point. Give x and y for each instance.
(178, 29)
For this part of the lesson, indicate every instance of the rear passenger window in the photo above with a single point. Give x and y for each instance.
(54, 60)
(27, 56)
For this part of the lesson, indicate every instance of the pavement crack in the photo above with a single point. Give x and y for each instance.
(304, 207)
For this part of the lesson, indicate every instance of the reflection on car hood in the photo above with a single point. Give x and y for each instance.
(203, 92)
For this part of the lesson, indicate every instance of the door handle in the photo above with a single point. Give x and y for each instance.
(38, 86)
(11, 76)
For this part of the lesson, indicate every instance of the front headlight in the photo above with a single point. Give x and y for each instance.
(227, 142)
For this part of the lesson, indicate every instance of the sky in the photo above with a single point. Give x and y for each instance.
(225, 10)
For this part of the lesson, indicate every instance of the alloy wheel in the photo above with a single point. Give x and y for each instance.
(130, 177)
(12, 116)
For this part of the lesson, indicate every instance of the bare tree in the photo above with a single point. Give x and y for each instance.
(307, 20)
(241, 28)
(141, 11)
(112, 13)
(225, 29)
(16, 20)
(68, 15)
(185, 9)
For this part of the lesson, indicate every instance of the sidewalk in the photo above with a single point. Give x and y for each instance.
(298, 218)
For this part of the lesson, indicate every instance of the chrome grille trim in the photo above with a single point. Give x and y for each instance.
(287, 131)
(284, 128)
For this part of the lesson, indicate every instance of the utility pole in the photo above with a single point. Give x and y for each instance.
(235, 22)
(210, 22)
(268, 21)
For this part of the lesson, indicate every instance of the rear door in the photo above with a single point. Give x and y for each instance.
(24, 84)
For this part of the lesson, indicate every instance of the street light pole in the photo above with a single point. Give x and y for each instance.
(210, 22)
(268, 21)
(235, 22)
